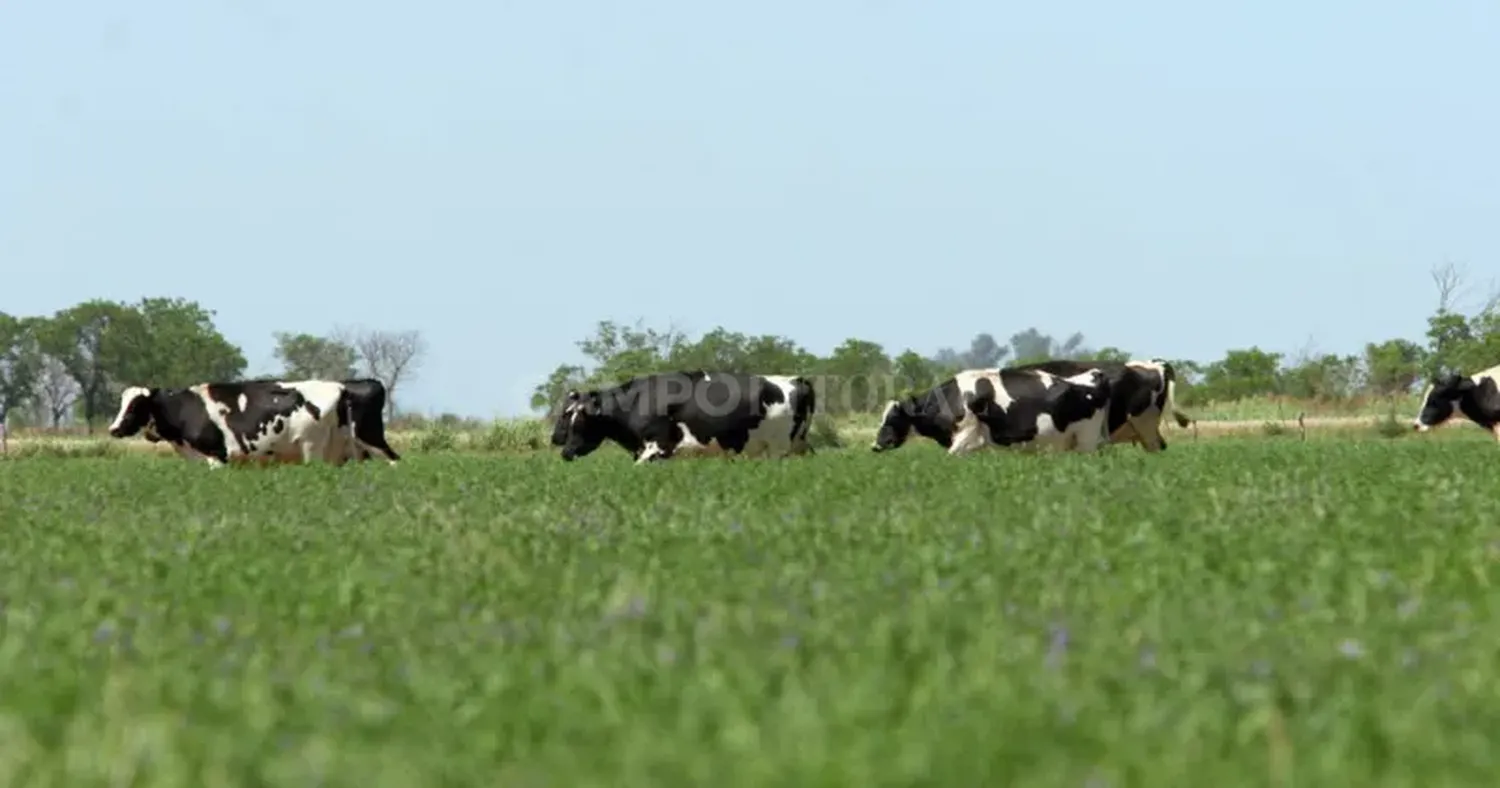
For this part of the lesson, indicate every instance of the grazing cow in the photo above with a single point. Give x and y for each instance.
(655, 416)
(1006, 407)
(254, 421)
(1142, 395)
(1477, 397)
(363, 416)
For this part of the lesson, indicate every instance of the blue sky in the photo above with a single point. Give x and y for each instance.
(1174, 178)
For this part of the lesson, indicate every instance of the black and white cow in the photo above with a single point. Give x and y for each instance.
(1142, 396)
(253, 421)
(655, 416)
(1005, 407)
(1476, 396)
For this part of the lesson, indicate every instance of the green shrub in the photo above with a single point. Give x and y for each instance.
(438, 438)
(513, 436)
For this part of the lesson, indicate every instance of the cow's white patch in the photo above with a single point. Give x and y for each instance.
(689, 442)
(890, 407)
(971, 435)
(968, 381)
(649, 452)
(244, 402)
(1084, 436)
(128, 396)
(773, 435)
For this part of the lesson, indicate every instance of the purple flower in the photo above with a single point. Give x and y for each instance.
(1058, 647)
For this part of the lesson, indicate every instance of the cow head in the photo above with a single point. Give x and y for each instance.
(1441, 400)
(579, 429)
(138, 409)
(895, 425)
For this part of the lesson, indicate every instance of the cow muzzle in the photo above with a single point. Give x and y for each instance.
(1420, 427)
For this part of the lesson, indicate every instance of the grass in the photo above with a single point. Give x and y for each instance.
(1241, 611)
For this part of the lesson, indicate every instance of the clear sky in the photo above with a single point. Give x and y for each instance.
(1174, 178)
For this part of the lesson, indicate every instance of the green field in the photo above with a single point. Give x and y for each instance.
(1233, 612)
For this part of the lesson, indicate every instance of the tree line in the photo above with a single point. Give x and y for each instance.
(70, 367)
(860, 375)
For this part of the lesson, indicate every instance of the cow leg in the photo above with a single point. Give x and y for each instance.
(734, 442)
(1148, 430)
(1126, 433)
(970, 438)
(1088, 440)
(366, 446)
(653, 450)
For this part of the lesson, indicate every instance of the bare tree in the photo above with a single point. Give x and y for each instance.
(56, 390)
(1449, 279)
(392, 357)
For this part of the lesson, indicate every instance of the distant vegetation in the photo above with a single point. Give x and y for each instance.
(66, 369)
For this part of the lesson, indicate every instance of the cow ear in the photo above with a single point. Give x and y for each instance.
(1464, 384)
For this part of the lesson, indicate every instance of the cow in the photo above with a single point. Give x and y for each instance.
(655, 416)
(1004, 407)
(363, 417)
(255, 421)
(1476, 396)
(1142, 396)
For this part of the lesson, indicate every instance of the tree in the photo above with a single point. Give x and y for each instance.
(856, 377)
(92, 342)
(392, 357)
(174, 343)
(549, 393)
(1392, 367)
(1327, 376)
(56, 391)
(1031, 346)
(1108, 353)
(20, 361)
(1241, 374)
(914, 373)
(304, 357)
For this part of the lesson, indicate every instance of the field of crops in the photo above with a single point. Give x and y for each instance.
(1233, 612)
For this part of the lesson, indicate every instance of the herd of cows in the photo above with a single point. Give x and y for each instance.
(1063, 404)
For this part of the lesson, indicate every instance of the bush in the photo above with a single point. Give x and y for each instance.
(519, 435)
(824, 433)
(439, 438)
(63, 449)
(1388, 426)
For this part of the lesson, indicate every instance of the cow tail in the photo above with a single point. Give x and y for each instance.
(1169, 399)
